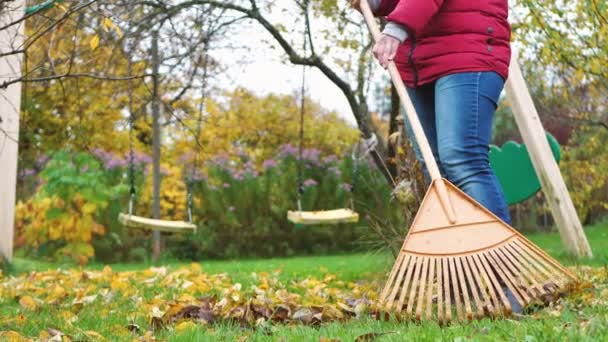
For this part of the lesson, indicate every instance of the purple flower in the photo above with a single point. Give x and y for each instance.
(287, 150)
(42, 159)
(336, 171)
(237, 175)
(346, 186)
(226, 185)
(186, 157)
(139, 158)
(249, 165)
(198, 176)
(311, 155)
(269, 163)
(331, 159)
(108, 159)
(242, 153)
(310, 182)
(231, 209)
(114, 162)
(221, 160)
(28, 172)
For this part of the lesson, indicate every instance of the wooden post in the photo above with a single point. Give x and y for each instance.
(534, 136)
(11, 39)
(156, 146)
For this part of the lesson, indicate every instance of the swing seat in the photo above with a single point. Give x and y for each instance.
(132, 221)
(323, 217)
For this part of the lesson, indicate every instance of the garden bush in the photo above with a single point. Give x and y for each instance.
(240, 208)
(61, 220)
(243, 210)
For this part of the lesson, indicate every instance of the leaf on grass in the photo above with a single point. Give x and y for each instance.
(281, 313)
(28, 303)
(94, 335)
(325, 339)
(372, 336)
(11, 336)
(185, 326)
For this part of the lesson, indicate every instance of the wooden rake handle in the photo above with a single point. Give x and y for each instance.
(423, 143)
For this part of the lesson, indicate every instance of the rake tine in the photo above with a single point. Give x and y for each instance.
(421, 292)
(404, 266)
(551, 269)
(490, 272)
(429, 303)
(464, 289)
(525, 269)
(391, 277)
(406, 282)
(474, 284)
(456, 289)
(513, 275)
(491, 303)
(508, 279)
(524, 254)
(446, 287)
(439, 292)
(410, 303)
(523, 283)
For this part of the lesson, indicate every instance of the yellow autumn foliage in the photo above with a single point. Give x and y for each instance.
(39, 221)
(173, 201)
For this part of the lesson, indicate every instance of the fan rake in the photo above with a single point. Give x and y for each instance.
(459, 259)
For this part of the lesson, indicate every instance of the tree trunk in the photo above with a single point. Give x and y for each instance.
(156, 146)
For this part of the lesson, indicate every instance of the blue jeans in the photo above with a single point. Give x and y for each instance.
(456, 114)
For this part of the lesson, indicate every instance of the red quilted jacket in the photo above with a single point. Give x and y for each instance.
(450, 36)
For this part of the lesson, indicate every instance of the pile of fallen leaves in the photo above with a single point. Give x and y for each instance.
(97, 305)
(155, 299)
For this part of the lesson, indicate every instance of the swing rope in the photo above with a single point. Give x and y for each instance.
(201, 110)
(131, 148)
(302, 112)
(317, 217)
(133, 221)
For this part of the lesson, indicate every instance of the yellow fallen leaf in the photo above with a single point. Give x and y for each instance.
(44, 335)
(196, 268)
(11, 336)
(118, 284)
(148, 337)
(95, 335)
(186, 298)
(185, 326)
(94, 42)
(107, 271)
(28, 303)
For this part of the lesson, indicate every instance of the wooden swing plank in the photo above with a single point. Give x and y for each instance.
(132, 221)
(323, 217)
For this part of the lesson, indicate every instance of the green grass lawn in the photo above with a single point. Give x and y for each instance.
(349, 267)
(581, 319)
